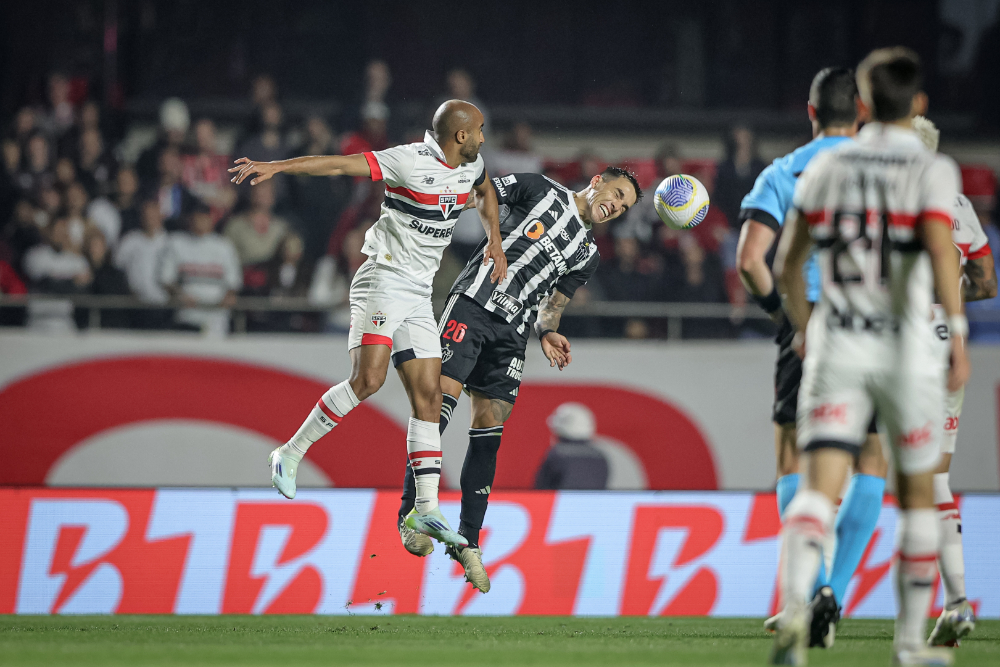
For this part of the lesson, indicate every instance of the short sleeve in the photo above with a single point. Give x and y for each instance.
(574, 280)
(480, 172)
(763, 203)
(940, 189)
(980, 246)
(393, 165)
(514, 188)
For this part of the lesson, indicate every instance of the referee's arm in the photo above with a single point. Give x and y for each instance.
(756, 237)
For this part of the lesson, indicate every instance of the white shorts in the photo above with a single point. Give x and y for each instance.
(388, 309)
(836, 403)
(952, 413)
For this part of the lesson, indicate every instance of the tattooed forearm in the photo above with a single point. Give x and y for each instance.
(980, 280)
(550, 311)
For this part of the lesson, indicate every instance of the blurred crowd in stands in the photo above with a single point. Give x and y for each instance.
(168, 227)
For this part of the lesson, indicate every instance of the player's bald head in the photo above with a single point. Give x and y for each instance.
(453, 116)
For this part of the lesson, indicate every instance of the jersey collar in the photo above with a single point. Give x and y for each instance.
(874, 131)
(435, 149)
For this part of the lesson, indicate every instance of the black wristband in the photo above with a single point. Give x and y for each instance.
(543, 333)
(770, 303)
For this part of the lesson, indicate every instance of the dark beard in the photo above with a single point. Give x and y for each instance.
(469, 153)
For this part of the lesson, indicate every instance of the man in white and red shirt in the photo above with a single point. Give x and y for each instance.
(427, 186)
(979, 281)
(879, 211)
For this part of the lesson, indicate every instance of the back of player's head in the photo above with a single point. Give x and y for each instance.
(888, 80)
(832, 96)
(611, 172)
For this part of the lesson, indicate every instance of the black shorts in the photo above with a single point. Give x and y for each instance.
(788, 377)
(480, 349)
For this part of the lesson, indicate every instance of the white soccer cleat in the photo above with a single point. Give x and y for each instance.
(471, 559)
(771, 624)
(433, 524)
(953, 624)
(414, 542)
(922, 656)
(283, 471)
(790, 639)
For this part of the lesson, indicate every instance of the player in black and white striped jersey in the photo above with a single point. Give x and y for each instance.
(546, 236)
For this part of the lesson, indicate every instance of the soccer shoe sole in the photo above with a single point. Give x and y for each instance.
(790, 642)
(417, 544)
(435, 527)
(923, 657)
(472, 563)
(285, 486)
(825, 616)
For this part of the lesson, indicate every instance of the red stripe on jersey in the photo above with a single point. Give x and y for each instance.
(375, 339)
(944, 507)
(932, 215)
(444, 163)
(420, 455)
(806, 523)
(424, 198)
(374, 166)
(926, 558)
(982, 252)
(328, 412)
(816, 217)
(964, 248)
(899, 219)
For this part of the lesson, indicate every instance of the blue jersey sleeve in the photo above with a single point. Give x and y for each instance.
(764, 203)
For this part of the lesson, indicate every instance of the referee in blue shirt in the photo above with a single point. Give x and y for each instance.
(833, 112)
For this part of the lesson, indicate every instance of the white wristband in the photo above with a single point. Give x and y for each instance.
(958, 325)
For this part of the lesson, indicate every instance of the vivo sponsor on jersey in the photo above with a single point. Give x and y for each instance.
(337, 551)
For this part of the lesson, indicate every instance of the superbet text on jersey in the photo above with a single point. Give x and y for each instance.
(868, 340)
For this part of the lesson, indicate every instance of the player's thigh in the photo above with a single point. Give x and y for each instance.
(464, 329)
(369, 365)
(498, 370)
(786, 449)
(952, 413)
(787, 378)
(834, 409)
(871, 460)
(910, 403)
(488, 412)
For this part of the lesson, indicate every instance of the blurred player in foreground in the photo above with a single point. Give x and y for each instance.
(979, 281)
(833, 114)
(551, 253)
(879, 210)
(427, 185)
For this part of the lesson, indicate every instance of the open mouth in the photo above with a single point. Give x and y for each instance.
(604, 211)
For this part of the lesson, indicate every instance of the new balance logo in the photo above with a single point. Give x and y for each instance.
(485, 491)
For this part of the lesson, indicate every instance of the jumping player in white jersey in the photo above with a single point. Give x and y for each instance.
(979, 281)
(879, 211)
(427, 186)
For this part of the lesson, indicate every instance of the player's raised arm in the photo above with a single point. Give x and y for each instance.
(489, 214)
(311, 165)
(555, 346)
(793, 250)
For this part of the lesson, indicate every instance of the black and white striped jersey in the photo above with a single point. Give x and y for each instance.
(548, 246)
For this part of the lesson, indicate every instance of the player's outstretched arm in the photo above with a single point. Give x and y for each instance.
(489, 214)
(311, 165)
(793, 250)
(936, 234)
(980, 279)
(554, 345)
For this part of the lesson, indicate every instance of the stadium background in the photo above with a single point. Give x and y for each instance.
(103, 393)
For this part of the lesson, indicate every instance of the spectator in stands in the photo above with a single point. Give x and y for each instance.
(263, 90)
(319, 201)
(269, 143)
(10, 153)
(50, 204)
(25, 125)
(642, 222)
(65, 173)
(56, 265)
(373, 134)
(572, 461)
(108, 280)
(75, 203)
(37, 169)
(174, 123)
(59, 116)
(126, 199)
(200, 268)
(332, 275)
(288, 275)
(378, 80)
(95, 165)
(517, 154)
(22, 232)
(257, 232)
(205, 172)
(736, 174)
(139, 252)
(175, 200)
(629, 276)
(10, 282)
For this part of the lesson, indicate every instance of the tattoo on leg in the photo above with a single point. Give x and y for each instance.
(501, 409)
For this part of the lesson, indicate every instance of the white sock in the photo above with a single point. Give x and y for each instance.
(327, 413)
(423, 446)
(917, 537)
(950, 556)
(808, 522)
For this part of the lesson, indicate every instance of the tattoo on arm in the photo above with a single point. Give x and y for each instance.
(550, 311)
(979, 283)
(501, 409)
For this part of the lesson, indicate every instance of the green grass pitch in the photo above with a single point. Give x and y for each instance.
(407, 640)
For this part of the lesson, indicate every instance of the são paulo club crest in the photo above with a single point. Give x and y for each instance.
(447, 203)
(378, 319)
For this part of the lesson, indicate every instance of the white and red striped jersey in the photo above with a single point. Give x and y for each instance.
(423, 199)
(863, 201)
(967, 232)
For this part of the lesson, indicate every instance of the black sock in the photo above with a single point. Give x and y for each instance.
(477, 479)
(448, 404)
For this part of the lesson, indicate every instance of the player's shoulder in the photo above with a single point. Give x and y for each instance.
(528, 185)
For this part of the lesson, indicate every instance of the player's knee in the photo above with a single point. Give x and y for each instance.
(367, 381)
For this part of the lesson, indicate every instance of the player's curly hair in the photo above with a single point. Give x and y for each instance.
(612, 171)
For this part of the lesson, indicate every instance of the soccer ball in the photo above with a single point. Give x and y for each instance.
(681, 201)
